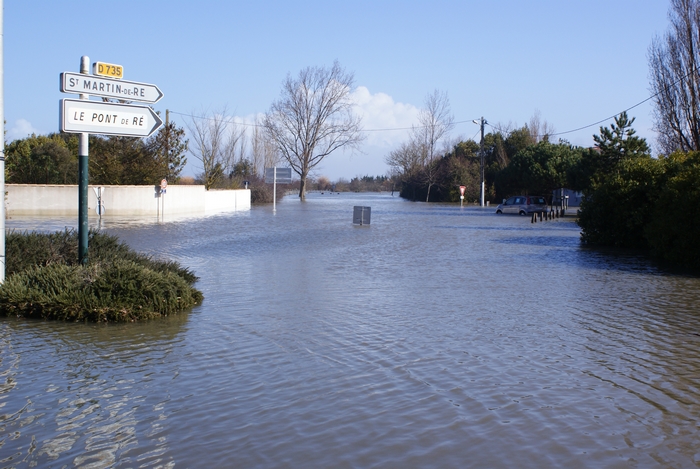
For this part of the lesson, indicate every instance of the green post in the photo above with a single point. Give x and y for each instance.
(83, 227)
(83, 149)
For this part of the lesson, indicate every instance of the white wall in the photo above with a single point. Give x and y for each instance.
(47, 200)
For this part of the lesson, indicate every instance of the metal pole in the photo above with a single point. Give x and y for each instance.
(167, 155)
(274, 189)
(2, 149)
(83, 150)
(167, 143)
(481, 150)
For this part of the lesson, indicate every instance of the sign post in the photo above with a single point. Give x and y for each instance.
(84, 117)
(275, 175)
(163, 188)
(83, 150)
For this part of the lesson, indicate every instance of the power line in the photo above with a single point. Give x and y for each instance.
(389, 129)
(392, 129)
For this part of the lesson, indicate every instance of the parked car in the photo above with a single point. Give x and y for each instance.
(523, 205)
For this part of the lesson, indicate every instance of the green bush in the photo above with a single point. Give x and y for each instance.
(44, 280)
(674, 229)
(619, 208)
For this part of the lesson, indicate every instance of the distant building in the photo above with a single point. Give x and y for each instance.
(571, 198)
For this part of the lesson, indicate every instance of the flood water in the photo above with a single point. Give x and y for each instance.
(436, 337)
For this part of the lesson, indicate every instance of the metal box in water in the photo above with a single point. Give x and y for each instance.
(361, 215)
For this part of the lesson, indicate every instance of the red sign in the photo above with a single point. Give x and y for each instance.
(462, 189)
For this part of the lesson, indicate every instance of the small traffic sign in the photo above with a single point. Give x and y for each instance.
(80, 83)
(108, 70)
(278, 175)
(128, 120)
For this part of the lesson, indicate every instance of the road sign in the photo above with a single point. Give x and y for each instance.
(108, 70)
(110, 88)
(284, 175)
(361, 215)
(128, 120)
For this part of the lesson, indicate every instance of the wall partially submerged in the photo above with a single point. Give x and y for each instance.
(55, 200)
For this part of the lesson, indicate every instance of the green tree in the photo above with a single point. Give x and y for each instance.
(673, 233)
(168, 148)
(613, 145)
(500, 147)
(619, 142)
(619, 209)
(123, 161)
(538, 169)
(243, 169)
(53, 159)
(622, 183)
(40, 160)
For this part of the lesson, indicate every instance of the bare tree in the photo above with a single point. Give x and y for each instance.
(406, 159)
(263, 150)
(215, 139)
(435, 122)
(312, 118)
(539, 129)
(242, 146)
(673, 65)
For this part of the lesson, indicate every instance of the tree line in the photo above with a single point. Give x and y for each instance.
(430, 167)
(53, 158)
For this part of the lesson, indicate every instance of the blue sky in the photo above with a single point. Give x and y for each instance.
(576, 62)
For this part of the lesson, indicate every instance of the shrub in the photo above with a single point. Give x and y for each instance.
(674, 229)
(260, 194)
(44, 280)
(620, 207)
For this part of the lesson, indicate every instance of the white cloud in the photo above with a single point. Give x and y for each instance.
(384, 120)
(22, 129)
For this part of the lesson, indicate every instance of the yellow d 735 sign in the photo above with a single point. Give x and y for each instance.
(108, 70)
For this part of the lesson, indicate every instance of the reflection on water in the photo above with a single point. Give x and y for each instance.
(435, 337)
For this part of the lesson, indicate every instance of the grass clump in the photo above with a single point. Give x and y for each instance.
(45, 280)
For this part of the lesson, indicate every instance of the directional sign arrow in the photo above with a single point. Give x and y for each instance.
(94, 117)
(109, 88)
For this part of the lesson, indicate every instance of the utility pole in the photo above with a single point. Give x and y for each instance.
(167, 143)
(2, 148)
(482, 123)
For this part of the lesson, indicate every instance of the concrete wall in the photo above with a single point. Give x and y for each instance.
(55, 200)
